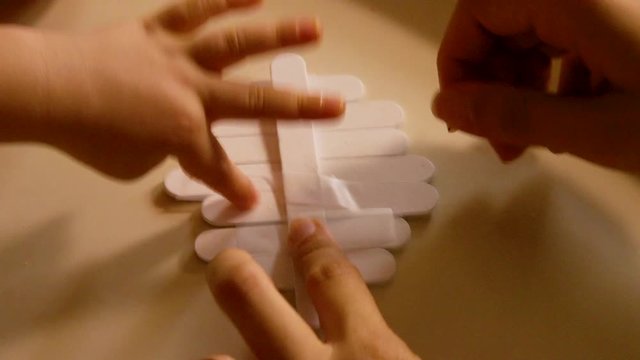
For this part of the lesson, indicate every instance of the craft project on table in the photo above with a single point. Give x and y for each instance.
(354, 174)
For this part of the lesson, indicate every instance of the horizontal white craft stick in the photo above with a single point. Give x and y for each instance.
(403, 168)
(349, 87)
(376, 228)
(403, 198)
(358, 115)
(330, 145)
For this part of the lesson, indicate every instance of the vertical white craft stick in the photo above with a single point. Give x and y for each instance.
(298, 155)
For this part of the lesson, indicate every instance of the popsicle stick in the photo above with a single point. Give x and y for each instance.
(403, 168)
(366, 115)
(400, 168)
(338, 171)
(348, 86)
(298, 154)
(404, 199)
(358, 115)
(184, 188)
(377, 228)
(330, 145)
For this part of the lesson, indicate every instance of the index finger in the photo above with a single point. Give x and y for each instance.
(345, 306)
(265, 319)
(232, 100)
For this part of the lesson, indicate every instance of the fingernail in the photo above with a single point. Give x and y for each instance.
(248, 199)
(242, 192)
(322, 106)
(332, 105)
(301, 229)
(308, 29)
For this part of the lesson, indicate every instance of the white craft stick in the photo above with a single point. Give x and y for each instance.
(297, 149)
(330, 145)
(377, 266)
(243, 127)
(377, 228)
(348, 86)
(338, 173)
(404, 168)
(304, 304)
(358, 143)
(219, 212)
(366, 115)
(404, 199)
(400, 168)
(358, 115)
(180, 186)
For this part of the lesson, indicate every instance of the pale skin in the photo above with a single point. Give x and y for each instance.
(493, 65)
(352, 324)
(123, 99)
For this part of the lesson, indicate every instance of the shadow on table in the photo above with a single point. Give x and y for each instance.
(22, 11)
(515, 263)
(428, 18)
(36, 294)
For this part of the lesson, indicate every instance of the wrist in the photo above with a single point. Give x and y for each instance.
(67, 101)
(42, 85)
(23, 85)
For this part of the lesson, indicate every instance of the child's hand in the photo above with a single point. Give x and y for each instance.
(124, 99)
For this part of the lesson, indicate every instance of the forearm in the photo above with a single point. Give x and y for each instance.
(22, 85)
(39, 82)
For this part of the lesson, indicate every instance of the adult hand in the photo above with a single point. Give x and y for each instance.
(350, 320)
(494, 67)
(123, 99)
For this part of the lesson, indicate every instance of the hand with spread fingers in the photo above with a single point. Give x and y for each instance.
(123, 99)
(494, 66)
(352, 325)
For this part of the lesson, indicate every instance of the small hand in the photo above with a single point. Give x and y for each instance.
(494, 67)
(351, 322)
(132, 95)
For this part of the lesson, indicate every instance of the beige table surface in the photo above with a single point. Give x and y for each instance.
(535, 260)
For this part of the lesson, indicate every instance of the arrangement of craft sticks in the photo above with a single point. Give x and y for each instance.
(353, 173)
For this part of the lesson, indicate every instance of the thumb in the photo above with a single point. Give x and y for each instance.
(600, 129)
